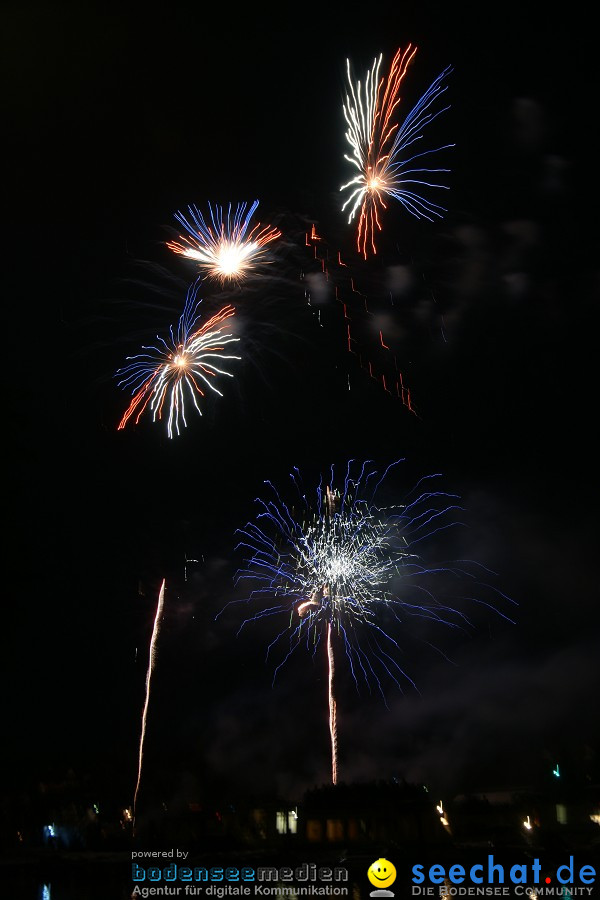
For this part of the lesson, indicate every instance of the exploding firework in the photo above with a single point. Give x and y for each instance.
(385, 152)
(179, 369)
(227, 247)
(151, 662)
(341, 571)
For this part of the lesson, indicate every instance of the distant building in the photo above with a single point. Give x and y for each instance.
(368, 814)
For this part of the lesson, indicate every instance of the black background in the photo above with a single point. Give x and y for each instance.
(113, 121)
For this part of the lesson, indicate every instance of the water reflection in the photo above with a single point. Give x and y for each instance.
(118, 889)
(93, 889)
(350, 891)
(88, 885)
(449, 891)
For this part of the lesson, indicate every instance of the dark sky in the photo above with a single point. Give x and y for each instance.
(115, 120)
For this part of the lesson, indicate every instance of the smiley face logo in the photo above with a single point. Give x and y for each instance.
(382, 873)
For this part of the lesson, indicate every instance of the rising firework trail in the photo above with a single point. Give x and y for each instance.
(340, 570)
(332, 706)
(151, 662)
(386, 149)
(225, 245)
(179, 369)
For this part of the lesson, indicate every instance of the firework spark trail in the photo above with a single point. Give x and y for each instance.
(380, 144)
(228, 247)
(178, 367)
(355, 309)
(151, 662)
(340, 568)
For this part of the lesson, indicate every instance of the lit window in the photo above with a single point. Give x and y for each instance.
(561, 814)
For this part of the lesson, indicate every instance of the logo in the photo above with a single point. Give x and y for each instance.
(381, 874)
(489, 872)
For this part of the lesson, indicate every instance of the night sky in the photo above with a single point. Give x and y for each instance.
(113, 121)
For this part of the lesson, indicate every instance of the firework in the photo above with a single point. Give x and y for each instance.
(228, 246)
(385, 151)
(179, 369)
(341, 571)
(360, 318)
(151, 662)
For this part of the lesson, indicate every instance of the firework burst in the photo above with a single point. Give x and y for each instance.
(385, 152)
(340, 571)
(177, 371)
(227, 247)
